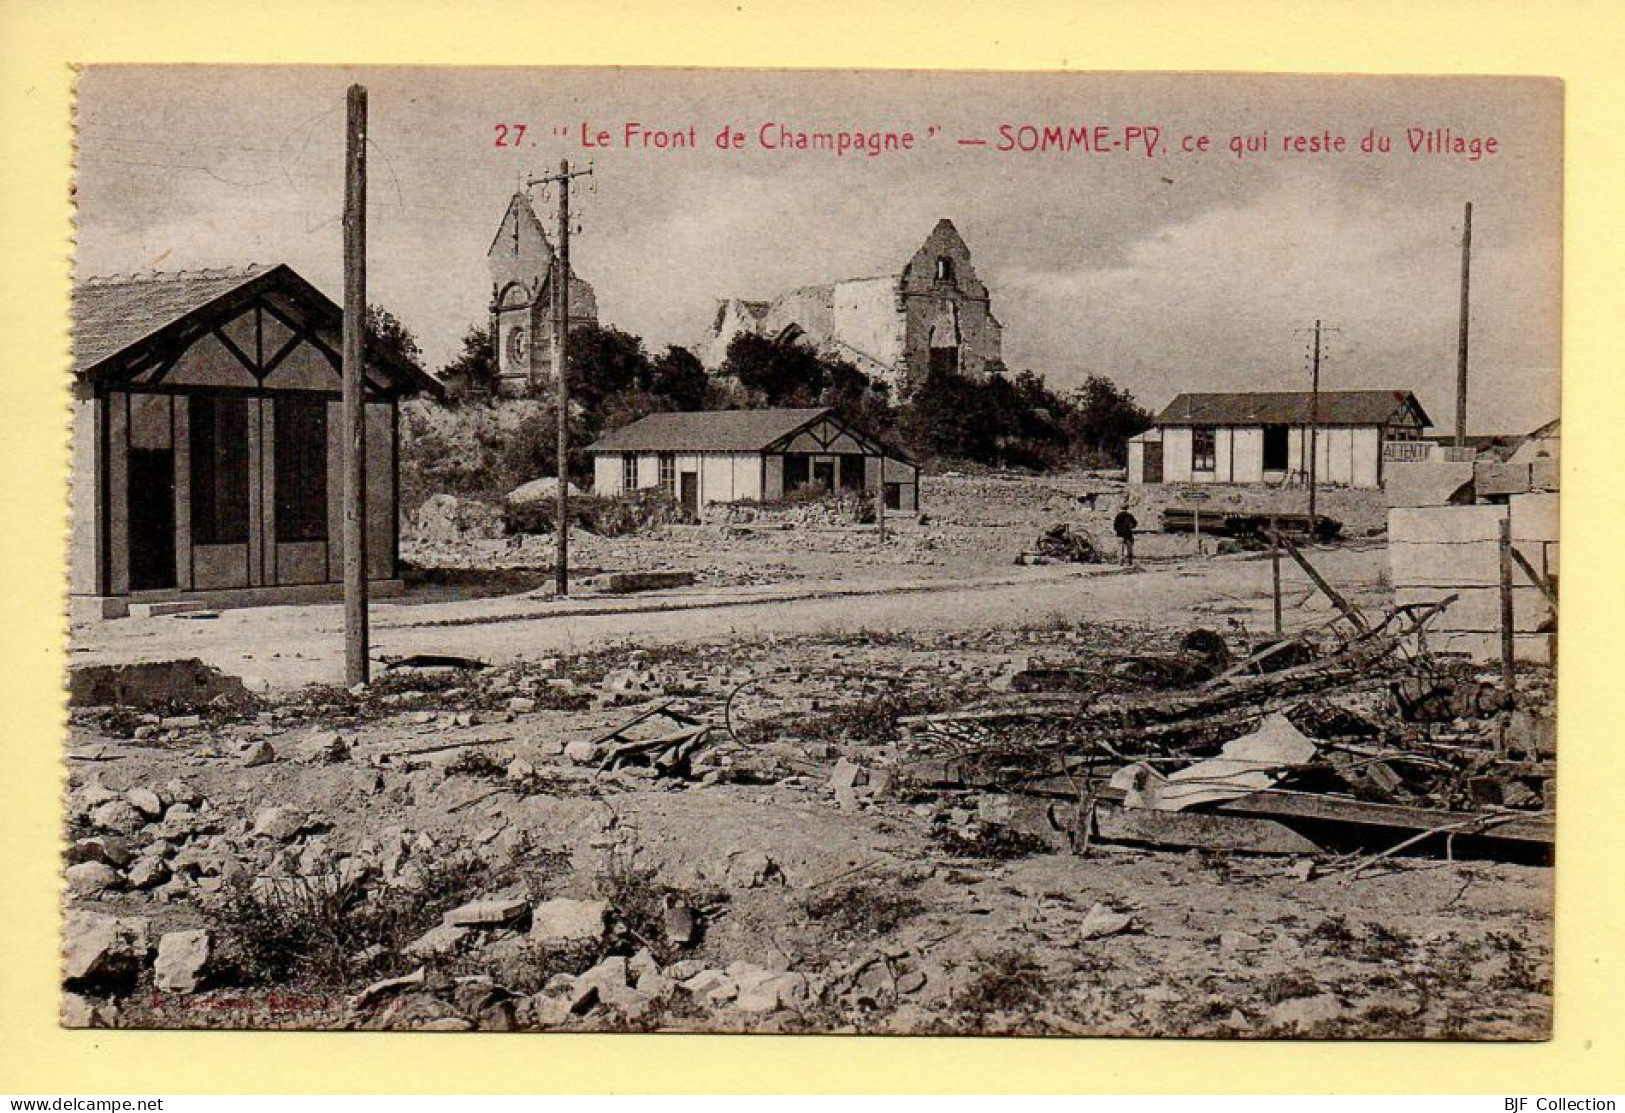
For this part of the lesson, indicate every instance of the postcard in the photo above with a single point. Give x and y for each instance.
(752, 551)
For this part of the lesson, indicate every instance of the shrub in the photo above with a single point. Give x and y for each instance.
(638, 900)
(309, 930)
(864, 908)
(993, 841)
(1005, 982)
(606, 517)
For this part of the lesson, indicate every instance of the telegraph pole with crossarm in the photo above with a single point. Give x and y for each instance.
(1314, 416)
(561, 356)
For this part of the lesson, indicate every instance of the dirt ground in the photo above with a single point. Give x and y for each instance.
(297, 856)
(491, 597)
(968, 526)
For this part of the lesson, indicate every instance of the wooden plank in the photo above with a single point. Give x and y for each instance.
(1534, 577)
(666, 709)
(1196, 829)
(1537, 827)
(1349, 610)
(1057, 705)
(388, 755)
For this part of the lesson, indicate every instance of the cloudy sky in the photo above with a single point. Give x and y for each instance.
(1179, 272)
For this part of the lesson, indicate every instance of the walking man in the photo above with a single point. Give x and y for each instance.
(1124, 525)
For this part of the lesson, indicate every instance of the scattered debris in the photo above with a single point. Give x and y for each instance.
(102, 952)
(1102, 921)
(1065, 544)
(649, 740)
(1244, 765)
(153, 685)
(630, 583)
(812, 808)
(562, 921)
(434, 661)
(261, 753)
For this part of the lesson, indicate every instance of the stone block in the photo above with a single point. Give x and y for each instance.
(183, 960)
(101, 951)
(562, 921)
(488, 913)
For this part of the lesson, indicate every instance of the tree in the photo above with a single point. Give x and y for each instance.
(387, 337)
(605, 362)
(680, 379)
(1000, 420)
(860, 398)
(475, 367)
(944, 418)
(783, 372)
(1104, 417)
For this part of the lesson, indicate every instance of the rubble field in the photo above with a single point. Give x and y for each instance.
(856, 832)
(968, 525)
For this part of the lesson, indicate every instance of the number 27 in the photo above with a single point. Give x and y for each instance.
(510, 135)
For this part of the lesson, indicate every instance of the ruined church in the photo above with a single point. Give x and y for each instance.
(523, 267)
(934, 313)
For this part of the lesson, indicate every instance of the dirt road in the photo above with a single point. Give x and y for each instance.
(286, 647)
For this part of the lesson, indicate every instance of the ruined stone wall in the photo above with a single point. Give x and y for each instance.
(870, 331)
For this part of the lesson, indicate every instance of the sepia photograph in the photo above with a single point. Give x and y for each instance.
(877, 552)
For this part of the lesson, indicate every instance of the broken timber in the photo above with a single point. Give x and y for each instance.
(1535, 578)
(1347, 609)
(669, 752)
(1276, 804)
(1198, 829)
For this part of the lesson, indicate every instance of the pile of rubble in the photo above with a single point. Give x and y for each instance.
(1307, 742)
(471, 817)
(1063, 544)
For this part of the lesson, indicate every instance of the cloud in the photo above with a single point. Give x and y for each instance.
(1218, 302)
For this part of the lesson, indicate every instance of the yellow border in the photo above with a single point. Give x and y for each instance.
(1579, 40)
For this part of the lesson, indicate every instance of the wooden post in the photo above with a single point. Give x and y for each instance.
(880, 496)
(561, 367)
(1275, 575)
(1509, 682)
(1314, 431)
(1198, 526)
(1461, 328)
(356, 666)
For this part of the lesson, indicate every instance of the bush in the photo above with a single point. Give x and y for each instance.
(638, 899)
(1006, 982)
(865, 909)
(992, 841)
(606, 517)
(309, 930)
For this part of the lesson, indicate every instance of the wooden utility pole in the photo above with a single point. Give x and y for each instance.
(880, 496)
(1509, 683)
(561, 366)
(561, 378)
(1461, 328)
(356, 666)
(1275, 575)
(1314, 430)
(1314, 418)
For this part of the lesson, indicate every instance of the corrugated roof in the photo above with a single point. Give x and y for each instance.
(707, 431)
(111, 313)
(1289, 407)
